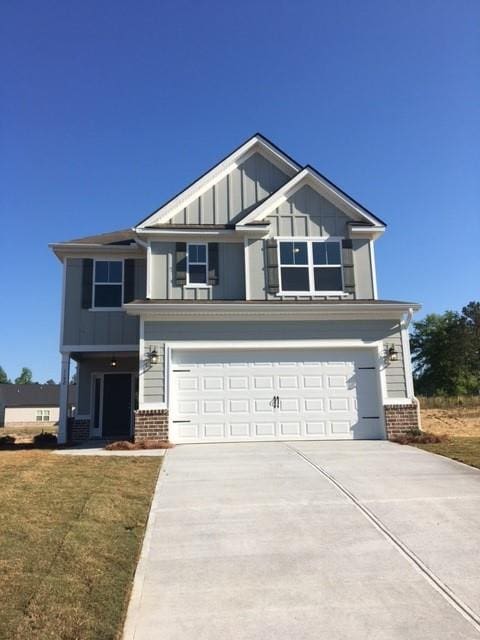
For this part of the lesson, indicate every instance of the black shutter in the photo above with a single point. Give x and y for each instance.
(129, 280)
(181, 263)
(87, 283)
(348, 268)
(213, 269)
(272, 266)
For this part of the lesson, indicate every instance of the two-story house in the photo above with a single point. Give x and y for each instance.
(244, 308)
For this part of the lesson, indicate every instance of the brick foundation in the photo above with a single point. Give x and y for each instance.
(151, 424)
(400, 419)
(79, 430)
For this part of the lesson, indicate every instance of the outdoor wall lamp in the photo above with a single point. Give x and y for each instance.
(152, 356)
(392, 354)
(113, 362)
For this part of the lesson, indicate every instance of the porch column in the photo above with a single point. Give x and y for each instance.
(64, 381)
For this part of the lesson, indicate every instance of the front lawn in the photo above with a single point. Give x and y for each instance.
(70, 534)
(465, 450)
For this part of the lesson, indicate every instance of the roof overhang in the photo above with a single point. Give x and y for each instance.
(366, 231)
(269, 311)
(310, 177)
(71, 249)
(256, 144)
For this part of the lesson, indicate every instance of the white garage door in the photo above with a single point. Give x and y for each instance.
(240, 395)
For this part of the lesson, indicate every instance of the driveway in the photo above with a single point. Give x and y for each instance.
(309, 540)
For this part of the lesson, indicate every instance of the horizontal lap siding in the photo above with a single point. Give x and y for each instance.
(159, 332)
(154, 378)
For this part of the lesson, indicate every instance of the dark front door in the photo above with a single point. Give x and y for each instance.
(117, 404)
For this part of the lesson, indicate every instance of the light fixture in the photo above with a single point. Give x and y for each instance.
(113, 362)
(152, 356)
(392, 353)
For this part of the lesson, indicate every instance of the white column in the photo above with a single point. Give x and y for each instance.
(64, 381)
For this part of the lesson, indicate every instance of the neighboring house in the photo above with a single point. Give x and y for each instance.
(245, 308)
(31, 405)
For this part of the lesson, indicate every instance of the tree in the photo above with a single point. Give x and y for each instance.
(446, 352)
(3, 377)
(50, 381)
(25, 376)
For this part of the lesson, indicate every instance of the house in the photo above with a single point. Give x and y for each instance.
(244, 308)
(32, 405)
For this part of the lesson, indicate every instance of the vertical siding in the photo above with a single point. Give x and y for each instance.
(235, 195)
(386, 330)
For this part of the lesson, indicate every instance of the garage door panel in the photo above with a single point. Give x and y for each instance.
(229, 395)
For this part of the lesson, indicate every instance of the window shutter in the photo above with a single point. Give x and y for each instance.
(348, 269)
(213, 269)
(272, 266)
(87, 283)
(181, 263)
(128, 280)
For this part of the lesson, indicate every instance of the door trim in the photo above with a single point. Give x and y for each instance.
(97, 432)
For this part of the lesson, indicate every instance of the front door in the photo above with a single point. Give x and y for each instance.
(117, 405)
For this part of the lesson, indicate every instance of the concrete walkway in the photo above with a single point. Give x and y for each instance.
(312, 540)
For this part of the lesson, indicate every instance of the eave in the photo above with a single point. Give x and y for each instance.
(70, 249)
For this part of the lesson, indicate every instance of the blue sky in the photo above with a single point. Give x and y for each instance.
(109, 108)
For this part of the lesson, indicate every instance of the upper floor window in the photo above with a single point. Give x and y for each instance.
(108, 283)
(310, 266)
(197, 264)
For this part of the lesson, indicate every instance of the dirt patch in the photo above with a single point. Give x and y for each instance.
(455, 421)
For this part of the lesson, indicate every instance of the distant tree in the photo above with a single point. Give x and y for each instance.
(4, 379)
(446, 352)
(50, 381)
(25, 376)
(73, 379)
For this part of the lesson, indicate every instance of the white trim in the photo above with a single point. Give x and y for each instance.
(72, 250)
(67, 348)
(318, 183)
(63, 402)
(401, 401)
(373, 269)
(407, 362)
(114, 284)
(246, 257)
(62, 304)
(212, 177)
(148, 288)
(141, 363)
(197, 285)
(153, 406)
(367, 232)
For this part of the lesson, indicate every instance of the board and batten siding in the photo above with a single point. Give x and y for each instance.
(231, 285)
(235, 195)
(157, 333)
(84, 327)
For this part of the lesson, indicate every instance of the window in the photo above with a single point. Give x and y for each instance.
(43, 415)
(197, 264)
(108, 283)
(310, 266)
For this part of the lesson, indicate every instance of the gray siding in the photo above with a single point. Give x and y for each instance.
(389, 331)
(235, 195)
(82, 327)
(231, 284)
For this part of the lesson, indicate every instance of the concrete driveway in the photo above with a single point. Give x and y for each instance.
(309, 540)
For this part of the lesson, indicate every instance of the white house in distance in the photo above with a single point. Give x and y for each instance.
(31, 405)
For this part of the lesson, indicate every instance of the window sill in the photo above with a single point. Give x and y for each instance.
(105, 309)
(340, 294)
(197, 286)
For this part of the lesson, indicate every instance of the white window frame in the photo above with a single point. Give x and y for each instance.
(94, 282)
(311, 276)
(42, 415)
(197, 285)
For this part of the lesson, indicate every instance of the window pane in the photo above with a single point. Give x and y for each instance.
(293, 253)
(39, 418)
(328, 279)
(115, 272)
(294, 279)
(333, 253)
(202, 253)
(108, 295)
(197, 274)
(286, 253)
(319, 253)
(101, 271)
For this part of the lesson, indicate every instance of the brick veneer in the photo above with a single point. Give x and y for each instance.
(151, 424)
(400, 419)
(79, 430)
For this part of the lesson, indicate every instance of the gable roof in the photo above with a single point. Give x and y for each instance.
(311, 177)
(256, 144)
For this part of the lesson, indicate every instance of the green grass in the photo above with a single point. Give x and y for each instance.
(70, 534)
(465, 450)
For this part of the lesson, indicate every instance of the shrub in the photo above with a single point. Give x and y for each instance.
(120, 445)
(7, 441)
(45, 438)
(415, 436)
(154, 444)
